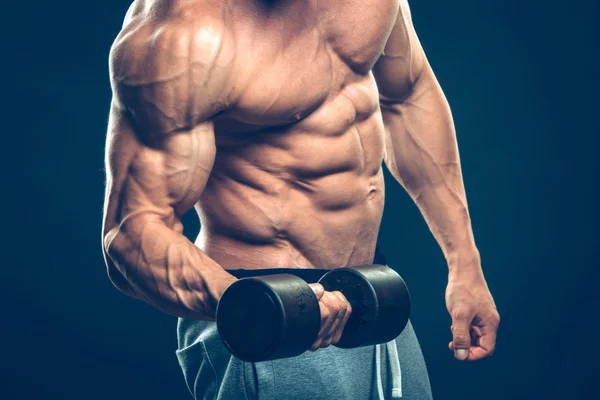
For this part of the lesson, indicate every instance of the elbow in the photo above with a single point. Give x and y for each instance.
(119, 281)
(111, 258)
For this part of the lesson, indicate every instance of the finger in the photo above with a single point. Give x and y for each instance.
(318, 290)
(327, 320)
(486, 335)
(461, 333)
(475, 335)
(477, 353)
(485, 347)
(324, 320)
(344, 320)
(337, 325)
(337, 310)
(316, 345)
(328, 337)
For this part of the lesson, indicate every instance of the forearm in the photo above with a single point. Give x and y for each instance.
(163, 268)
(422, 154)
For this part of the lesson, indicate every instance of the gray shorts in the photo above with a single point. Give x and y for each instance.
(370, 372)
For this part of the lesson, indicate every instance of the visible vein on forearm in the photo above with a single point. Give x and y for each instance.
(437, 165)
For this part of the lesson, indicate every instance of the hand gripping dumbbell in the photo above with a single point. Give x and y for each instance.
(277, 316)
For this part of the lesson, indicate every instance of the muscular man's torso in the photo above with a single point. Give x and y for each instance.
(297, 179)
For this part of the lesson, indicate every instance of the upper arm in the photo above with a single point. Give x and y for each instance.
(168, 80)
(420, 133)
(403, 62)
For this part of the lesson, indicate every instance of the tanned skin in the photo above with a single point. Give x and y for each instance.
(273, 120)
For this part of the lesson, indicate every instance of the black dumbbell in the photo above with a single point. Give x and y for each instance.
(277, 316)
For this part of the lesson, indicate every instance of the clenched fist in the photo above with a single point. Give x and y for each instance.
(335, 311)
(475, 319)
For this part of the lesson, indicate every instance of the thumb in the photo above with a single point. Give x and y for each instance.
(461, 336)
(318, 289)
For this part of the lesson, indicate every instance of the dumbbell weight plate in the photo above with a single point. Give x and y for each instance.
(394, 301)
(268, 317)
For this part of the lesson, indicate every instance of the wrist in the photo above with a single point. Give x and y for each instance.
(465, 265)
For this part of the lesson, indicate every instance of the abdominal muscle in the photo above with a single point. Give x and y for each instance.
(310, 194)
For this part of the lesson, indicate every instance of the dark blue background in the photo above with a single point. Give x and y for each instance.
(521, 77)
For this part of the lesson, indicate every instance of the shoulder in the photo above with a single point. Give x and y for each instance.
(170, 64)
(403, 60)
(403, 37)
(167, 32)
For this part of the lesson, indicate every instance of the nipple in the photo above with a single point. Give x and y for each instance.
(296, 117)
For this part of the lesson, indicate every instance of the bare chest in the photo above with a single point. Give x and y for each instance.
(288, 65)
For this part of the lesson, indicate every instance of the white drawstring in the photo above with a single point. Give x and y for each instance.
(380, 395)
(392, 352)
(394, 366)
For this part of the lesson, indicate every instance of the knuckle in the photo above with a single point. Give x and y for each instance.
(461, 313)
(493, 320)
(461, 339)
(343, 309)
(336, 308)
(340, 298)
(496, 318)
